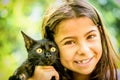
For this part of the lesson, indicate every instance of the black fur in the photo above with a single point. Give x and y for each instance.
(40, 52)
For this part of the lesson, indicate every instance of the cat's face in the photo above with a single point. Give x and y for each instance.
(41, 52)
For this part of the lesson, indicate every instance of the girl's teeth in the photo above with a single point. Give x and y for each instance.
(83, 61)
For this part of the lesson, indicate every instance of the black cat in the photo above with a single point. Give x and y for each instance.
(40, 52)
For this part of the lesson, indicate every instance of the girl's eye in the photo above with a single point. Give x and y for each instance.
(52, 49)
(39, 50)
(92, 36)
(69, 42)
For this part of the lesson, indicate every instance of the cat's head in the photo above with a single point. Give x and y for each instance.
(41, 52)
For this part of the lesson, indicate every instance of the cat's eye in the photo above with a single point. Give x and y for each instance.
(39, 50)
(52, 49)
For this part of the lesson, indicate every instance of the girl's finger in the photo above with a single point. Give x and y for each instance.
(44, 73)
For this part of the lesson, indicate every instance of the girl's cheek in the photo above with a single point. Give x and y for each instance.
(67, 53)
(97, 49)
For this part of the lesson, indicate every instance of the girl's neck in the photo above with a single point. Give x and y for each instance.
(77, 76)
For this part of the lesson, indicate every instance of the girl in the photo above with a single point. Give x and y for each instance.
(85, 49)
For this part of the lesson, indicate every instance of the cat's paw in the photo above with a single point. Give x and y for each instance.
(18, 77)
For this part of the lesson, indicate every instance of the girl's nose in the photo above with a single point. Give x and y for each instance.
(83, 49)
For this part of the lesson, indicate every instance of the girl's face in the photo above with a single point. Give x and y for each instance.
(80, 45)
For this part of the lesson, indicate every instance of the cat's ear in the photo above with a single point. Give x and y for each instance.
(49, 33)
(29, 42)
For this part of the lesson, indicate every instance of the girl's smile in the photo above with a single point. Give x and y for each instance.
(84, 62)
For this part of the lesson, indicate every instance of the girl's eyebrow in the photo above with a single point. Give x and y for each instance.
(66, 38)
(90, 32)
(73, 37)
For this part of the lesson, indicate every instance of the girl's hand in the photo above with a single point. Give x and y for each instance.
(44, 73)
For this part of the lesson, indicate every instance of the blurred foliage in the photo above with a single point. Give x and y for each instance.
(17, 15)
(26, 15)
(110, 12)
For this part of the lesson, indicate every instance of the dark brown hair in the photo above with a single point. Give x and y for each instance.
(106, 68)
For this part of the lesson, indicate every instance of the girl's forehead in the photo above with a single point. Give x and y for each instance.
(70, 24)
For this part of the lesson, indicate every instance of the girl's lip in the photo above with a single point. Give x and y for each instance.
(83, 62)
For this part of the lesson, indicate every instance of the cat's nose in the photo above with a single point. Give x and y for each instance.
(48, 55)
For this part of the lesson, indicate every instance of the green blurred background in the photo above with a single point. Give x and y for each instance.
(26, 15)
